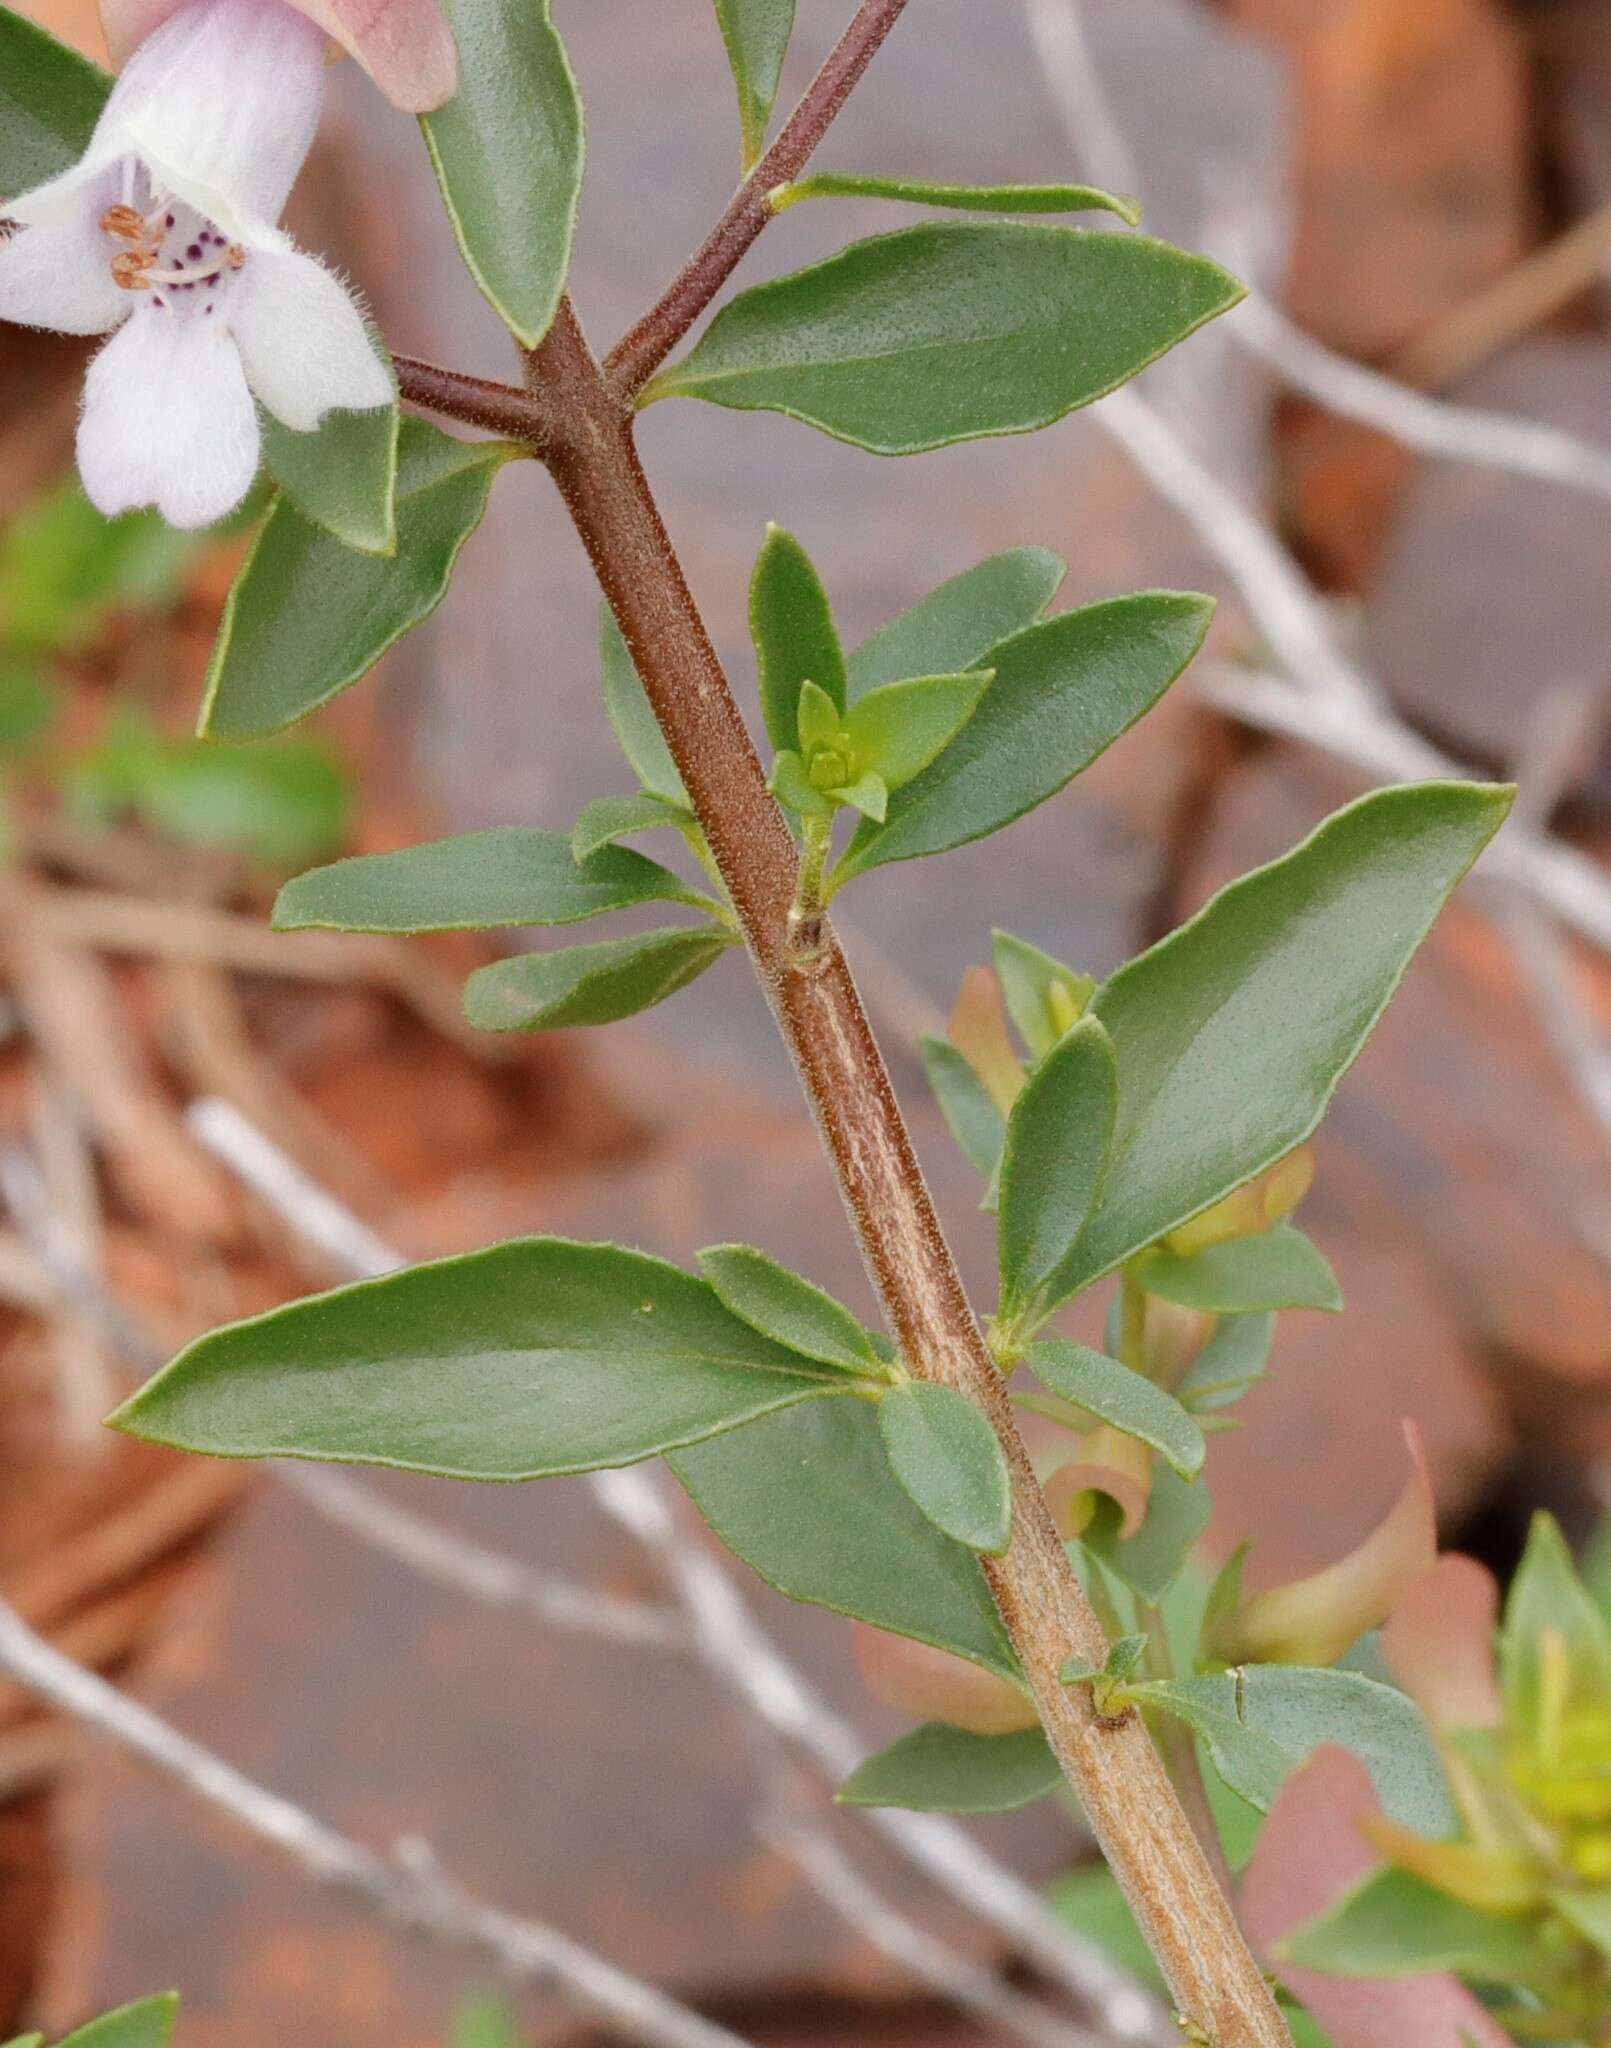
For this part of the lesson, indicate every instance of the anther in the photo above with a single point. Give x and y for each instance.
(129, 270)
(127, 223)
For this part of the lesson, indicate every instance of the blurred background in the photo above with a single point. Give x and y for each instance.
(1413, 571)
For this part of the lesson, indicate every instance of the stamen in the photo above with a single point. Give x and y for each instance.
(125, 223)
(131, 271)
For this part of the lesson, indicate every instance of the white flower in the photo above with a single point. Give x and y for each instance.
(166, 232)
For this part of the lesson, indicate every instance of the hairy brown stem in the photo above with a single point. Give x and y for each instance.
(477, 401)
(1112, 1765)
(639, 353)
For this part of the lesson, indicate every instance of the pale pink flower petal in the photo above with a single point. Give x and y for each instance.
(302, 341)
(932, 1685)
(168, 421)
(1439, 1644)
(1310, 1850)
(221, 104)
(404, 45)
(57, 276)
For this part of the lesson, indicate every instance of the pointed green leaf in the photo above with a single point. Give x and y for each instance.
(782, 1305)
(808, 1500)
(756, 33)
(897, 730)
(955, 626)
(1261, 1721)
(590, 984)
(794, 634)
(1064, 692)
(792, 787)
(511, 875)
(947, 1457)
(535, 1357)
(507, 150)
(1150, 1561)
(146, 2024)
(1548, 1598)
(972, 1118)
(940, 1769)
(27, 2041)
(867, 794)
(1043, 996)
(1102, 1387)
(308, 615)
(1394, 1925)
(609, 818)
(636, 729)
(1056, 1155)
(1233, 1359)
(949, 331)
(958, 198)
(1589, 1912)
(50, 100)
(343, 476)
(1278, 1268)
(1233, 1033)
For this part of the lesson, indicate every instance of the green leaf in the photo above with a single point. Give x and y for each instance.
(1233, 1359)
(636, 729)
(343, 476)
(972, 1118)
(146, 2024)
(26, 2041)
(1395, 1925)
(609, 818)
(808, 1500)
(28, 703)
(958, 624)
(591, 984)
(756, 33)
(485, 2023)
(1064, 692)
(512, 875)
(534, 1357)
(782, 1305)
(1101, 1386)
(1233, 1033)
(940, 1769)
(868, 794)
(947, 332)
(1548, 1599)
(507, 149)
(1150, 1561)
(947, 1457)
(65, 568)
(1278, 1268)
(1056, 1155)
(279, 804)
(308, 615)
(1043, 996)
(50, 100)
(1261, 1721)
(794, 634)
(1589, 1913)
(897, 730)
(958, 198)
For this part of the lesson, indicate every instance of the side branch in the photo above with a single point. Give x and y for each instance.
(1112, 1766)
(636, 357)
(474, 401)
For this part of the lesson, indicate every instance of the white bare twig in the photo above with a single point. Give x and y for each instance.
(412, 1892)
(745, 1661)
(1433, 426)
(1324, 699)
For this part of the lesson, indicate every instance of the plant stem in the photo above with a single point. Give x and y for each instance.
(1112, 1766)
(636, 357)
(477, 401)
